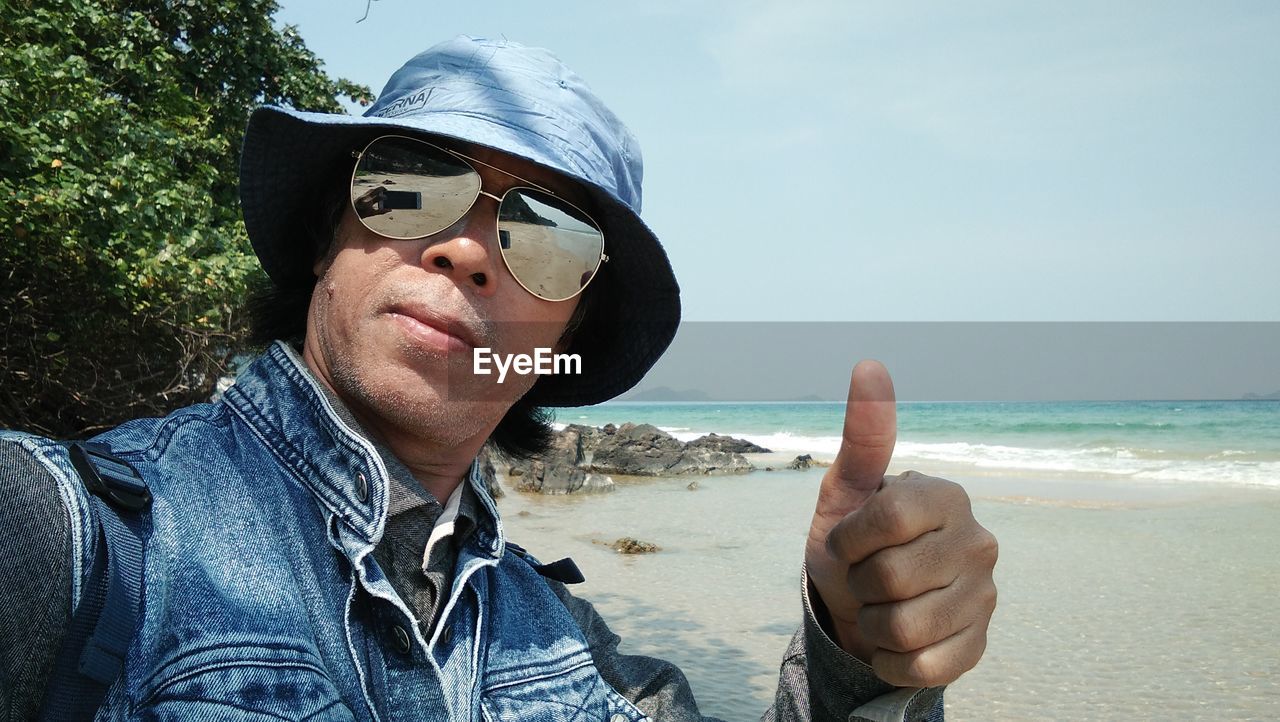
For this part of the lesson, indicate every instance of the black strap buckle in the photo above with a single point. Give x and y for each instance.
(563, 570)
(109, 477)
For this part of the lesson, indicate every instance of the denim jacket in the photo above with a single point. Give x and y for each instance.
(262, 599)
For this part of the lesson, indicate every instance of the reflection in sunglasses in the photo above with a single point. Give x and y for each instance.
(404, 189)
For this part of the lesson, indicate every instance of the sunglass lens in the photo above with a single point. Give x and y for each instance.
(551, 247)
(404, 188)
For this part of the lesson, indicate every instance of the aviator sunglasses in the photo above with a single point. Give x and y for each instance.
(405, 189)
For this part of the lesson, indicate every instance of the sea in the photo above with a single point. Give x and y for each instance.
(1138, 544)
(1228, 442)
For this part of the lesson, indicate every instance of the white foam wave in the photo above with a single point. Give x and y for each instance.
(1233, 466)
(1153, 464)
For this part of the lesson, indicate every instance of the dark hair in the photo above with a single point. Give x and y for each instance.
(278, 310)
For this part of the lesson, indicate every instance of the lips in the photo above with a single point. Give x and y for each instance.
(437, 328)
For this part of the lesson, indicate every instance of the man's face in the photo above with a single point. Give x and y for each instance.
(393, 323)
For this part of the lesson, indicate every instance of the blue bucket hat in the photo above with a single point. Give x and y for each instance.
(518, 100)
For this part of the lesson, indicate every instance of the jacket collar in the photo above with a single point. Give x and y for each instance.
(280, 400)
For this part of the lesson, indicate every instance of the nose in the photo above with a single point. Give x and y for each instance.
(466, 252)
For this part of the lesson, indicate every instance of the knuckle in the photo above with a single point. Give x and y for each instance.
(910, 475)
(989, 595)
(988, 548)
(923, 670)
(956, 495)
(890, 516)
(888, 575)
(901, 631)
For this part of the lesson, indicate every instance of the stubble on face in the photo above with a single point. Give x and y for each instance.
(387, 396)
(392, 385)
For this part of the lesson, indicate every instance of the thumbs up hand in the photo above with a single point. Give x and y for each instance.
(900, 563)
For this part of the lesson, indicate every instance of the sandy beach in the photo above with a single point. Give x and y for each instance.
(1117, 601)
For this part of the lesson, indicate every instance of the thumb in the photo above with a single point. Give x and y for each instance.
(870, 428)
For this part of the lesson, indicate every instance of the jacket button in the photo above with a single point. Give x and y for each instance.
(362, 487)
(446, 635)
(402, 639)
(619, 717)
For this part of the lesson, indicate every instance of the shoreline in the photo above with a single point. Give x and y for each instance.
(995, 476)
(1156, 600)
(1233, 444)
(1121, 595)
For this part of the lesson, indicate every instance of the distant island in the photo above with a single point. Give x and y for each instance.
(666, 393)
(1273, 396)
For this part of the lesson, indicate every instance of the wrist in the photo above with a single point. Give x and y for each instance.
(839, 634)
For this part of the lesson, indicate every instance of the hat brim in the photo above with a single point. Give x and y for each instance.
(636, 307)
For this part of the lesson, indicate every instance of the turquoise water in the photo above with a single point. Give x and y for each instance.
(1199, 441)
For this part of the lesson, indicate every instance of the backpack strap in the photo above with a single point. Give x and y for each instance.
(563, 570)
(93, 651)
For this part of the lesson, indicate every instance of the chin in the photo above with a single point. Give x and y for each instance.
(429, 395)
(438, 412)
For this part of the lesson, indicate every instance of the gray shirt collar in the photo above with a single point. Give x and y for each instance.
(405, 492)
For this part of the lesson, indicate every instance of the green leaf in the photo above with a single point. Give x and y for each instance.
(136, 240)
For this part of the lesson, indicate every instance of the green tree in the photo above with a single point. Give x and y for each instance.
(124, 262)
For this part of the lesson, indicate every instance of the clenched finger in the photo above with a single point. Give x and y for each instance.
(940, 663)
(904, 571)
(907, 506)
(922, 621)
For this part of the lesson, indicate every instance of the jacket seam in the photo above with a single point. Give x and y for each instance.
(78, 507)
(227, 664)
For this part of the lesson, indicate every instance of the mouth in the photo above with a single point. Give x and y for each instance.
(435, 330)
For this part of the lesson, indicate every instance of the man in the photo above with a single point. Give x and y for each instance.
(321, 544)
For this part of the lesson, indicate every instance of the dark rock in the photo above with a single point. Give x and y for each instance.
(645, 450)
(559, 478)
(717, 442)
(595, 484)
(630, 449)
(692, 485)
(638, 450)
(567, 447)
(804, 461)
(707, 461)
(563, 468)
(588, 438)
(627, 545)
(768, 468)
(566, 450)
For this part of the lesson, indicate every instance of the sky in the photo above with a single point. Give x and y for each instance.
(814, 160)
(973, 361)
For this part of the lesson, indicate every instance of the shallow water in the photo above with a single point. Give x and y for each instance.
(1227, 442)
(1151, 603)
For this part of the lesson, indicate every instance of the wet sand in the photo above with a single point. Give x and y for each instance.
(1118, 600)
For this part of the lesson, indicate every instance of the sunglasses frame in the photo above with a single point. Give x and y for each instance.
(472, 163)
